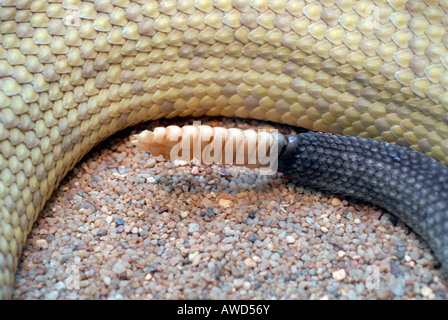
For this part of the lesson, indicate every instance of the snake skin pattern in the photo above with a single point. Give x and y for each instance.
(406, 183)
(74, 72)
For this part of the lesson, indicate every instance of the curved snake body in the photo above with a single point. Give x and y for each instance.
(74, 72)
(406, 183)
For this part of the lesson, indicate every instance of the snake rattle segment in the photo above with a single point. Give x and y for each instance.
(74, 72)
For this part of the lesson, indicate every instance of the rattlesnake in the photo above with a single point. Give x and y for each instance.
(74, 72)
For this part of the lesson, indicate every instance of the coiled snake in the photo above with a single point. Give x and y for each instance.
(74, 72)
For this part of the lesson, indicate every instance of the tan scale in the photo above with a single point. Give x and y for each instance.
(74, 72)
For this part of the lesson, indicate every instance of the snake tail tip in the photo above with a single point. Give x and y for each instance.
(211, 145)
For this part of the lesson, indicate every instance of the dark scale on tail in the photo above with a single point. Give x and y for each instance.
(404, 182)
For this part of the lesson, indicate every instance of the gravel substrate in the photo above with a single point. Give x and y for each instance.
(126, 225)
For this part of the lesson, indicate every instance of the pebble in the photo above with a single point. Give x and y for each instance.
(96, 177)
(238, 283)
(193, 227)
(150, 180)
(52, 295)
(196, 260)
(107, 280)
(209, 212)
(151, 162)
(42, 243)
(339, 275)
(426, 292)
(397, 286)
(118, 268)
(250, 263)
(102, 233)
(400, 255)
(383, 293)
(306, 257)
(184, 214)
(145, 228)
(194, 170)
(174, 261)
(335, 202)
(351, 295)
(225, 203)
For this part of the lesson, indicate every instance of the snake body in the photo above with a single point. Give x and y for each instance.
(406, 183)
(74, 72)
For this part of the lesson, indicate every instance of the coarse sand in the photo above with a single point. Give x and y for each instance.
(126, 225)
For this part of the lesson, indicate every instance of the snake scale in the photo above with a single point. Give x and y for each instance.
(74, 72)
